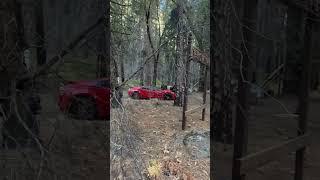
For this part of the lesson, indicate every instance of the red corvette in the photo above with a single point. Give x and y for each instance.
(146, 92)
(86, 99)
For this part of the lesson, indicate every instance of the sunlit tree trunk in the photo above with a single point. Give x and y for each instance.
(180, 64)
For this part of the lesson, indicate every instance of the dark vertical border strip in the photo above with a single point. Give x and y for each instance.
(303, 106)
(212, 75)
(107, 58)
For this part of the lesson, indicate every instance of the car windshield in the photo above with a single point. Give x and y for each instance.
(103, 83)
(150, 88)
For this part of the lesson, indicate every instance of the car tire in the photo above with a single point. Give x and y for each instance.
(135, 95)
(167, 97)
(83, 108)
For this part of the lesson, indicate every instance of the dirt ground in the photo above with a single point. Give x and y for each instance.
(266, 130)
(158, 124)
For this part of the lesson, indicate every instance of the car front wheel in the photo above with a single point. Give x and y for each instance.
(84, 108)
(135, 95)
(167, 97)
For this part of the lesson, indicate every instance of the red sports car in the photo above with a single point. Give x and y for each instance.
(147, 92)
(86, 99)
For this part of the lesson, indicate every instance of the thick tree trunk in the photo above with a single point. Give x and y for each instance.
(295, 34)
(186, 81)
(148, 66)
(180, 59)
(222, 120)
(155, 55)
(202, 69)
(103, 41)
(103, 67)
(180, 73)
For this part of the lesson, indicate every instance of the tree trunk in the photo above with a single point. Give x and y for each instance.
(180, 60)
(41, 49)
(222, 120)
(103, 68)
(141, 77)
(295, 34)
(121, 59)
(155, 71)
(148, 66)
(201, 78)
(155, 55)
(241, 123)
(202, 70)
(186, 81)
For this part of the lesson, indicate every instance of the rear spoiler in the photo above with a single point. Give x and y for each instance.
(69, 82)
(66, 83)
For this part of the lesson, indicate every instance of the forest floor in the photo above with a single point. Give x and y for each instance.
(265, 131)
(158, 124)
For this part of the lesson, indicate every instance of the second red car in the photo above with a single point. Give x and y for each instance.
(148, 92)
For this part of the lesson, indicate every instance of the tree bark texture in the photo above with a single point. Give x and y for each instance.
(295, 34)
(222, 120)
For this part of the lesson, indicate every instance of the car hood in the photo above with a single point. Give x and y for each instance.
(167, 91)
(134, 88)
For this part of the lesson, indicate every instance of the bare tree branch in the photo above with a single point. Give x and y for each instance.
(43, 69)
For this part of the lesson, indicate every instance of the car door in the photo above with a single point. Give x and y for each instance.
(152, 92)
(145, 92)
(157, 92)
(103, 93)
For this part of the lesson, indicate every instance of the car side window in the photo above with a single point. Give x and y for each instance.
(103, 83)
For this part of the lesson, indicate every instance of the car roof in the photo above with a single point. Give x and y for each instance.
(151, 87)
(89, 82)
